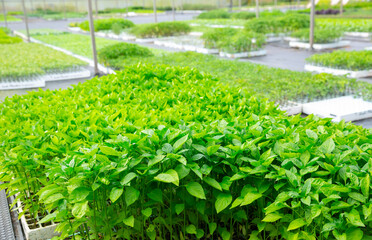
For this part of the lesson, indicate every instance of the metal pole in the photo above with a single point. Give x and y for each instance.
(91, 26)
(96, 7)
(155, 15)
(257, 9)
(231, 5)
(312, 23)
(45, 8)
(341, 7)
(4, 11)
(240, 4)
(64, 9)
(26, 20)
(127, 6)
(173, 11)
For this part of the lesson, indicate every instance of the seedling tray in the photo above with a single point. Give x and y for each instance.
(319, 46)
(345, 108)
(43, 231)
(22, 84)
(257, 53)
(348, 73)
(292, 108)
(364, 36)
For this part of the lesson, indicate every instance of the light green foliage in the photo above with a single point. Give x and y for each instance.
(214, 14)
(162, 29)
(107, 24)
(23, 59)
(242, 41)
(276, 84)
(76, 43)
(232, 40)
(5, 38)
(122, 50)
(321, 34)
(347, 25)
(301, 175)
(352, 60)
(278, 24)
(9, 18)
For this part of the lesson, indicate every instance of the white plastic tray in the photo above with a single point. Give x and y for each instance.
(244, 54)
(319, 46)
(338, 72)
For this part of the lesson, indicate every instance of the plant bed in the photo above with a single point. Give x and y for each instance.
(345, 108)
(319, 46)
(338, 72)
(207, 50)
(255, 53)
(364, 36)
(355, 64)
(43, 231)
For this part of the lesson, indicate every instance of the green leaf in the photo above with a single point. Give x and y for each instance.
(147, 212)
(131, 195)
(311, 134)
(272, 217)
(79, 194)
(354, 234)
(292, 178)
(129, 221)
(53, 198)
(115, 194)
(357, 196)
(354, 218)
(48, 218)
(179, 208)
(223, 201)
(191, 229)
(250, 197)
(212, 227)
(179, 143)
(170, 176)
(299, 222)
(156, 195)
(129, 177)
(199, 233)
(80, 209)
(212, 149)
(155, 160)
(225, 235)
(364, 185)
(213, 183)
(328, 146)
(109, 151)
(195, 189)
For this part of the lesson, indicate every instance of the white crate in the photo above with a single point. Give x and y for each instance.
(319, 46)
(39, 233)
(32, 83)
(338, 72)
(345, 108)
(257, 53)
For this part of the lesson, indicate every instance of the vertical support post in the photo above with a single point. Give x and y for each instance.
(312, 24)
(231, 5)
(341, 7)
(257, 9)
(240, 4)
(64, 9)
(155, 15)
(45, 7)
(96, 7)
(26, 20)
(4, 11)
(127, 6)
(181, 6)
(91, 27)
(173, 11)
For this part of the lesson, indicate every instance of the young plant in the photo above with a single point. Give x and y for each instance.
(162, 29)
